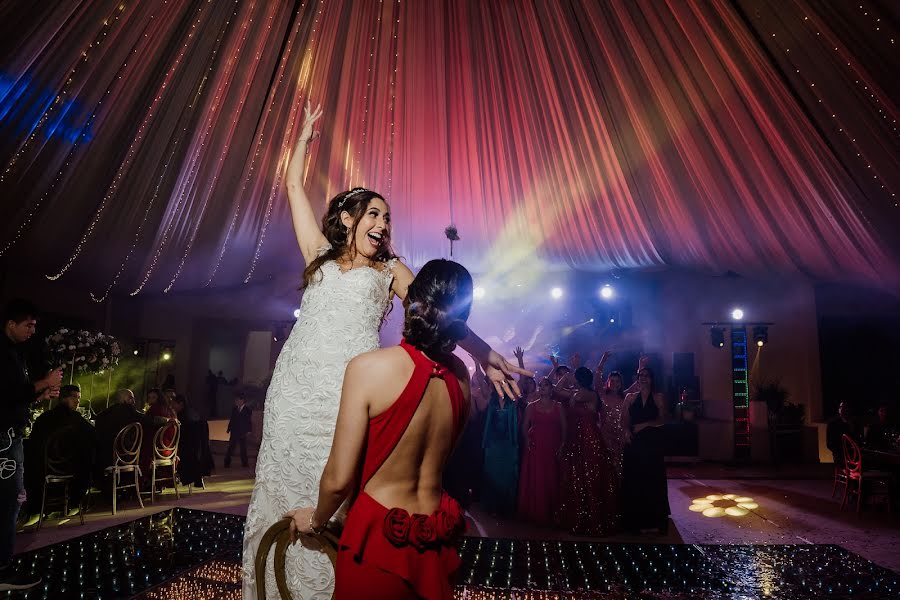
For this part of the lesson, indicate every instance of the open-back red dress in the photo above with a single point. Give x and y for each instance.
(389, 553)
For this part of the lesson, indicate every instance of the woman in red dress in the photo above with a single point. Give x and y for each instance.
(544, 433)
(402, 410)
(588, 477)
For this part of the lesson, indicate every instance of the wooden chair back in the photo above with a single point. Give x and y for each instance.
(280, 535)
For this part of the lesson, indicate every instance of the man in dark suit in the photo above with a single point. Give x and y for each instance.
(77, 444)
(110, 422)
(239, 427)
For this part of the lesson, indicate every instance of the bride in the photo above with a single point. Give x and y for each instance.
(349, 281)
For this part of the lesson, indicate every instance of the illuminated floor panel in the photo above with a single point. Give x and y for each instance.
(181, 553)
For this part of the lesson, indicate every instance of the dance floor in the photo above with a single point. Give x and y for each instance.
(183, 553)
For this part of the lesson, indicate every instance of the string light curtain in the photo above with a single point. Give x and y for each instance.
(144, 144)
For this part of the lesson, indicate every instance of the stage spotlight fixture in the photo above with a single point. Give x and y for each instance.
(296, 313)
(136, 352)
(612, 320)
(717, 337)
(556, 293)
(591, 320)
(166, 355)
(607, 292)
(478, 292)
(737, 314)
(761, 335)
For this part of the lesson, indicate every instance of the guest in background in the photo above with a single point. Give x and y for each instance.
(77, 443)
(239, 427)
(645, 492)
(110, 422)
(195, 459)
(501, 457)
(153, 396)
(613, 419)
(161, 409)
(835, 431)
(19, 391)
(544, 435)
(463, 474)
(880, 434)
(589, 486)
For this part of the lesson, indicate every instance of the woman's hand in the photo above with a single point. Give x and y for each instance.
(575, 361)
(519, 353)
(500, 372)
(307, 134)
(603, 359)
(301, 521)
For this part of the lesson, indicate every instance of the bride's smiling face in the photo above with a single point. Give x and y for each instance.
(373, 231)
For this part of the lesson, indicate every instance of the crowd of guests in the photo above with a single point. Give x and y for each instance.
(88, 446)
(577, 451)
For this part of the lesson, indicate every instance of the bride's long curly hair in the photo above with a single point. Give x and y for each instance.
(437, 305)
(355, 202)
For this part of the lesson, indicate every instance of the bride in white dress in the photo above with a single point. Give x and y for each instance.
(350, 279)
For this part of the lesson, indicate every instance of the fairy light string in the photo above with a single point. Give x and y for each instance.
(135, 145)
(63, 93)
(188, 183)
(261, 130)
(296, 109)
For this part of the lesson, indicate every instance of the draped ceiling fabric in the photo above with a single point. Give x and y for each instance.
(144, 143)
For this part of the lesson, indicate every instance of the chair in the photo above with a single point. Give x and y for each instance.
(126, 456)
(165, 454)
(859, 482)
(59, 469)
(840, 478)
(280, 535)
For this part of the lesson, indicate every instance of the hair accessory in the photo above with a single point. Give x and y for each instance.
(350, 195)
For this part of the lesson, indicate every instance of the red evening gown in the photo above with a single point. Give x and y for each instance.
(539, 480)
(389, 553)
(588, 476)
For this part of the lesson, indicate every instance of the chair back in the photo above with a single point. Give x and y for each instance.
(58, 460)
(127, 445)
(165, 441)
(852, 456)
(280, 535)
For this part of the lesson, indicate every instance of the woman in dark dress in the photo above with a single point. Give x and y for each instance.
(645, 493)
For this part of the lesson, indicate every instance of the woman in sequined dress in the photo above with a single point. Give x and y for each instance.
(612, 420)
(645, 493)
(544, 434)
(589, 487)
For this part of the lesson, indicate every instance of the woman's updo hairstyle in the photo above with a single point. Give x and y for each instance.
(438, 304)
(355, 202)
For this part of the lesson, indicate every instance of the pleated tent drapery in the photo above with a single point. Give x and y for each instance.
(144, 144)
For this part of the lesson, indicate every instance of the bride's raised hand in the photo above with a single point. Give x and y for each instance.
(310, 116)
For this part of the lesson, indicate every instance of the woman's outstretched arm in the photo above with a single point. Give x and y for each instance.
(499, 370)
(309, 236)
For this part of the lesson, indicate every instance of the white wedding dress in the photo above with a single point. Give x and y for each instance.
(340, 317)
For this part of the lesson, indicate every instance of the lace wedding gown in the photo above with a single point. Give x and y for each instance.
(340, 316)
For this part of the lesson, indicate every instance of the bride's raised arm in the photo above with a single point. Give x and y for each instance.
(309, 236)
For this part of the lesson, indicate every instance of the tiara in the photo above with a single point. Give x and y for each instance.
(350, 195)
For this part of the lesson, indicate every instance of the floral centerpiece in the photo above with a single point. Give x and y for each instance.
(83, 351)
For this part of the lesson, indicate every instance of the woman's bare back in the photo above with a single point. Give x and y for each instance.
(410, 478)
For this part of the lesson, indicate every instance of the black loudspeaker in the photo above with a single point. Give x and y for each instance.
(683, 365)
